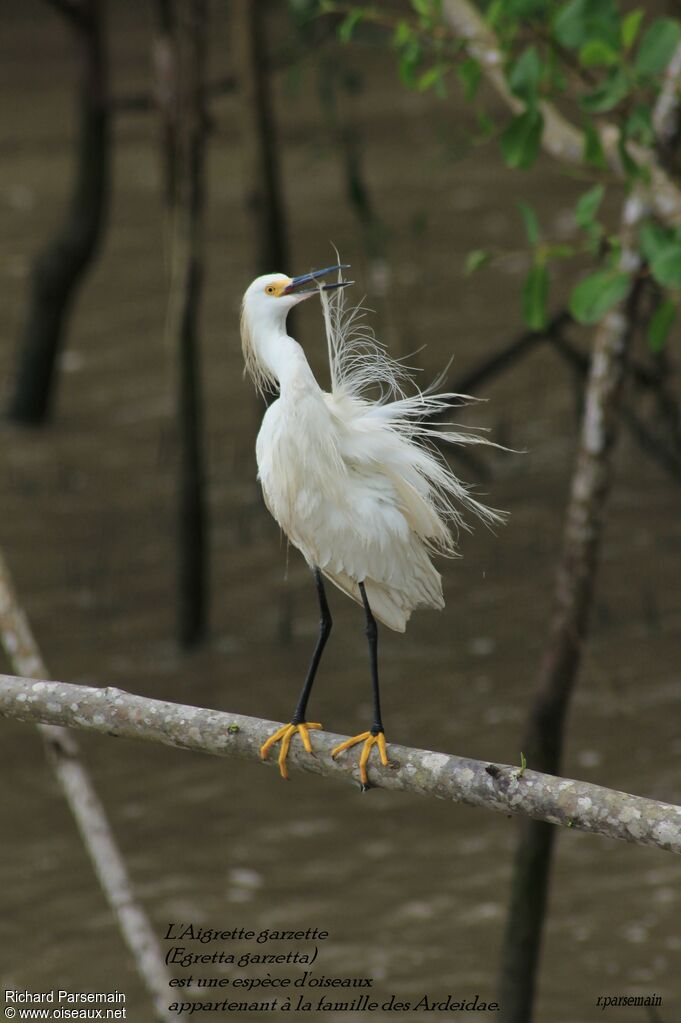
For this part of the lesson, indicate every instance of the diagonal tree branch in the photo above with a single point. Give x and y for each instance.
(63, 757)
(506, 356)
(666, 114)
(562, 801)
(560, 138)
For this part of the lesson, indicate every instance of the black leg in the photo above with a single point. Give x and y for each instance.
(325, 624)
(375, 736)
(372, 636)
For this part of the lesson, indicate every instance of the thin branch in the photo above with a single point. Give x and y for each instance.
(667, 455)
(500, 360)
(572, 804)
(63, 758)
(554, 332)
(655, 447)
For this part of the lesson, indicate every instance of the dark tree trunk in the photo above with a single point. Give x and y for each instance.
(543, 741)
(259, 144)
(193, 576)
(60, 268)
(260, 147)
(165, 94)
(184, 28)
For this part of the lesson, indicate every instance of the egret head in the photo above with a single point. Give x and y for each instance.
(265, 306)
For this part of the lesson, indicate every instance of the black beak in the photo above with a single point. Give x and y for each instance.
(295, 287)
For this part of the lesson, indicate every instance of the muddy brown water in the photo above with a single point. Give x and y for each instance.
(413, 892)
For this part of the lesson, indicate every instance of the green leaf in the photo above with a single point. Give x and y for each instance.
(594, 239)
(611, 91)
(530, 221)
(630, 26)
(535, 297)
(410, 57)
(657, 46)
(615, 250)
(560, 251)
(661, 324)
(429, 78)
(402, 35)
(475, 260)
(524, 76)
(632, 169)
(666, 265)
(596, 294)
(581, 21)
(587, 206)
(349, 23)
(593, 153)
(485, 124)
(569, 25)
(597, 53)
(469, 73)
(521, 140)
(554, 76)
(494, 13)
(639, 125)
(653, 239)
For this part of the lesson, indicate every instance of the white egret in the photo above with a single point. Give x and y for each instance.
(353, 479)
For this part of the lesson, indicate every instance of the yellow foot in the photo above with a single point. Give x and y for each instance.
(370, 740)
(285, 734)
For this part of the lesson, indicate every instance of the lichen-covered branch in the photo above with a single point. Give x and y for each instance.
(573, 599)
(666, 113)
(560, 138)
(64, 758)
(576, 577)
(572, 804)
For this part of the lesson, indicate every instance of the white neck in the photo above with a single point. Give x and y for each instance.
(283, 357)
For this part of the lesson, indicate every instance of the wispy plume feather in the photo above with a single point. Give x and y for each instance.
(363, 373)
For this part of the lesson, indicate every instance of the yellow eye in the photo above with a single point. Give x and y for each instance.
(270, 289)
